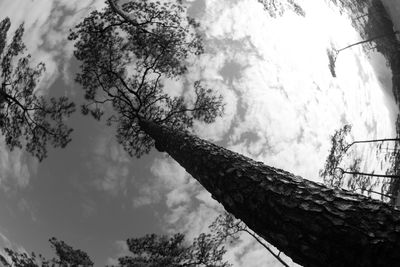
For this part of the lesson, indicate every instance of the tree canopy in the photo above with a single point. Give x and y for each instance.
(154, 250)
(148, 251)
(65, 256)
(127, 53)
(26, 117)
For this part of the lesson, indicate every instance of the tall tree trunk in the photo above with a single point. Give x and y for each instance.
(314, 225)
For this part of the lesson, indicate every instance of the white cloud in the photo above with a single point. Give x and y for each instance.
(247, 252)
(121, 249)
(27, 207)
(114, 180)
(89, 208)
(288, 97)
(16, 168)
(169, 172)
(191, 218)
(5, 242)
(110, 165)
(170, 181)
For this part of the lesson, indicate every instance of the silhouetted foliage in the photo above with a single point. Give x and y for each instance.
(26, 118)
(362, 182)
(352, 8)
(126, 55)
(66, 256)
(332, 54)
(154, 250)
(330, 173)
(278, 8)
(148, 251)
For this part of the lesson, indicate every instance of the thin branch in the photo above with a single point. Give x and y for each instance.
(370, 141)
(267, 248)
(369, 174)
(27, 116)
(126, 17)
(375, 192)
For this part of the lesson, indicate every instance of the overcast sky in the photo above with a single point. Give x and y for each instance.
(282, 104)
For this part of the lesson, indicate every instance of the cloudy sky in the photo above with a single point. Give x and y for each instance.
(282, 104)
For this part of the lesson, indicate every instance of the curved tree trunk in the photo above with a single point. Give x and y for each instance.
(368, 40)
(314, 225)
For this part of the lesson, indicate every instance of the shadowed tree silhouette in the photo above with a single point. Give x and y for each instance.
(278, 8)
(154, 250)
(333, 173)
(126, 56)
(149, 251)
(27, 118)
(127, 52)
(66, 256)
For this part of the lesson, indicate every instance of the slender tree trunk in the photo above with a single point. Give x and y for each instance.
(368, 40)
(277, 256)
(370, 174)
(371, 141)
(375, 192)
(312, 224)
(375, 141)
(381, 194)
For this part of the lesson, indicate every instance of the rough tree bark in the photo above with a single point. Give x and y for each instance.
(314, 225)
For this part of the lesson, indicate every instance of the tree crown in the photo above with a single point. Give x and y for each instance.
(127, 53)
(66, 256)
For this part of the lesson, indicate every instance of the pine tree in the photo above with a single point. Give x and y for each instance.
(312, 224)
(127, 52)
(158, 250)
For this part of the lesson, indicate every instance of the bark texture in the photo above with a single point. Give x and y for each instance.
(314, 225)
